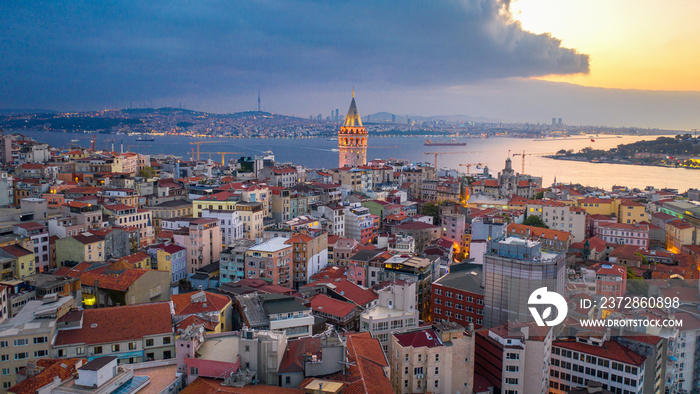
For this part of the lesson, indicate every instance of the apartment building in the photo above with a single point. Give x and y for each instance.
(271, 259)
(128, 216)
(615, 366)
(435, 360)
(132, 333)
(514, 358)
(309, 256)
(560, 216)
(458, 296)
(624, 234)
(232, 261)
(229, 222)
(79, 248)
(28, 335)
(38, 237)
(201, 237)
(395, 311)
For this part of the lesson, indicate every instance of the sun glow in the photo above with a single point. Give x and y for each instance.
(642, 44)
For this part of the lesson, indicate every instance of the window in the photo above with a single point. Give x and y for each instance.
(437, 359)
(38, 340)
(21, 342)
(132, 345)
(6, 371)
(80, 350)
(21, 356)
(194, 371)
(513, 356)
(511, 368)
(149, 342)
(511, 381)
(41, 353)
(166, 340)
(115, 348)
(98, 350)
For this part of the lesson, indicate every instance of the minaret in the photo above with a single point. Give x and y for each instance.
(352, 139)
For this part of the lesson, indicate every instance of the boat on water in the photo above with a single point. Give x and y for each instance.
(332, 139)
(452, 142)
(144, 138)
(75, 140)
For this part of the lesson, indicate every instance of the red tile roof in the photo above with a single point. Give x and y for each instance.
(135, 257)
(30, 225)
(184, 305)
(416, 339)
(50, 369)
(328, 305)
(612, 350)
(297, 349)
(117, 324)
(370, 362)
(349, 290)
(539, 232)
(196, 320)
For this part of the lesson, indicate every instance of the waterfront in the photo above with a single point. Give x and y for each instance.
(318, 153)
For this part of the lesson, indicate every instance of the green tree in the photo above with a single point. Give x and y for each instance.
(431, 209)
(535, 221)
(147, 172)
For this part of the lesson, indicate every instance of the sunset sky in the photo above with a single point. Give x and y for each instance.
(633, 44)
(590, 62)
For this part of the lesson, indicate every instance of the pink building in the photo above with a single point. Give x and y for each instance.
(198, 357)
(271, 259)
(624, 234)
(201, 237)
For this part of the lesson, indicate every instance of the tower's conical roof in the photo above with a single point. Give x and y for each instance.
(353, 118)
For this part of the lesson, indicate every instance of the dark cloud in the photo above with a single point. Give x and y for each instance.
(88, 54)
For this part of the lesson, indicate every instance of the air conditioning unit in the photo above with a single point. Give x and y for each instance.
(419, 376)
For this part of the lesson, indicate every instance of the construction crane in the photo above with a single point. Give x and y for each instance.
(522, 171)
(436, 154)
(198, 143)
(470, 165)
(223, 155)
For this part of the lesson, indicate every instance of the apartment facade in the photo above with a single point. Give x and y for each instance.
(395, 312)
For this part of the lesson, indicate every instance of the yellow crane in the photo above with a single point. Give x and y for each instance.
(470, 165)
(436, 154)
(198, 143)
(529, 154)
(223, 155)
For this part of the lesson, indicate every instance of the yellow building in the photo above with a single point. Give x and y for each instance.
(252, 215)
(598, 206)
(79, 248)
(24, 264)
(630, 212)
(220, 201)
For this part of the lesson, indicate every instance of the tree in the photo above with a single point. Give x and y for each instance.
(147, 172)
(535, 221)
(431, 209)
(586, 250)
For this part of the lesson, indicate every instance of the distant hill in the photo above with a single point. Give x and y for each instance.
(386, 117)
(9, 111)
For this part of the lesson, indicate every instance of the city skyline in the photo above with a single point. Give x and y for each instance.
(521, 61)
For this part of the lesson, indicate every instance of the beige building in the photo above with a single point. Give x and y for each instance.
(252, 215)
(309, 256)
(28, 335)
(128, 216)
(435, 360)
(395, 312)
(169, 210)
(79, 248)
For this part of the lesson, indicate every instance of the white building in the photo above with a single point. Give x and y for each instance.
(559, 216)
(522, 351)
(335, 218)
(357, 218)
(574, 362)
(395, 312)
(231, 225)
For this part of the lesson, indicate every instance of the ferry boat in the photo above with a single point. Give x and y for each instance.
(143, 138)
(75, 140)
(452, 142)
